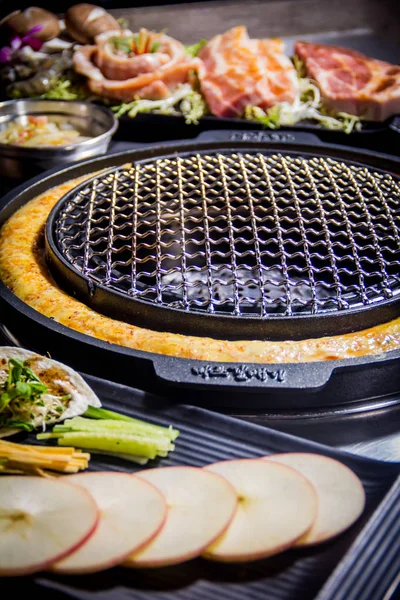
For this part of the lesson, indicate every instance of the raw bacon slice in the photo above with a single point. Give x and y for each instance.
(239, 71)
(352, 82)
(124, 77)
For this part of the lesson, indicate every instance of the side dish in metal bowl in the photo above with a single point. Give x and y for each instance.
(32, 131)
(36, 135)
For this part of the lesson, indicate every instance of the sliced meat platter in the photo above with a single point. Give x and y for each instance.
(89, 55)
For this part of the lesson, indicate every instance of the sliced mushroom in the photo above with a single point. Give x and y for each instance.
(22, 21)
(85, 21)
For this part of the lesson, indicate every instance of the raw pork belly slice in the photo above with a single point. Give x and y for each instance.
(352, 82)
(151, 75)
(239, 71)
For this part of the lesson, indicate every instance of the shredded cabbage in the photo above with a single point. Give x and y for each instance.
(64, 89)
(185, 100)
(308, 105)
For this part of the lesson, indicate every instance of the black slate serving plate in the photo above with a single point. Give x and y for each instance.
(151, 127)
(302, 574)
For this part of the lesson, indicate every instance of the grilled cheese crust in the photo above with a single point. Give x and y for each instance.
(24, 271)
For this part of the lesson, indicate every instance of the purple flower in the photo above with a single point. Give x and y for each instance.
(34, 43)
(35, 29)
(17, 42)
(5, 54)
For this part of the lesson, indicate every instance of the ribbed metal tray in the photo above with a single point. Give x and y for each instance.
(299, 574)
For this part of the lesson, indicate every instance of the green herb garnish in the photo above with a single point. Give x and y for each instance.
(135, 44)
(155, 46)
(17, 425)
(123, 44)
(21, 383)
(25, 401)
(123, 22)
(194, 49)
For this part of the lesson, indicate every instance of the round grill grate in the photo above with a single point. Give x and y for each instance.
(251, 236)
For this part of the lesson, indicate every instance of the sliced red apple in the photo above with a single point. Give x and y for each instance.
(341, 496)
(132, 511)
(41, 520)
(276, 507)
(200, 504)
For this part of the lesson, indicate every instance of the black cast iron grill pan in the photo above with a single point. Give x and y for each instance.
(268, 386)
(234, 243)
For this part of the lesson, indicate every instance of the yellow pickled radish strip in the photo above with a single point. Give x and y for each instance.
(23, 458)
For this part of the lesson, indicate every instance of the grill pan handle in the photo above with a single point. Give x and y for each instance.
(201, 374)
(269, 137)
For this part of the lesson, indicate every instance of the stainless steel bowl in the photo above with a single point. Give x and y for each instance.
(96, 122)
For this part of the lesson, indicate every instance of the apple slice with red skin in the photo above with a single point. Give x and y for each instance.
(41, 520)
(200, 504)
(132, 512)
(341, 496)
(277, 506)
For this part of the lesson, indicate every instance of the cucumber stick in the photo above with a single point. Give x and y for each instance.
(101, 413)
(82, 424)
(110, 443)
(163, 444)
(140, 460)
(109, 415)
(106, 432)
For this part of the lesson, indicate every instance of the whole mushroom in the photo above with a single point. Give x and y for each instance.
(22, 21)
(84, 22)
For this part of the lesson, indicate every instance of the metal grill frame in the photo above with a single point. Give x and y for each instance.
(153, 316)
